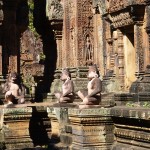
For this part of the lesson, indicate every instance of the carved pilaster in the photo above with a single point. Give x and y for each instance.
(121, 57)
(85, 32)
(66, 34)
(110, 59)
(115, 52)
(58, 37)
(138, 37)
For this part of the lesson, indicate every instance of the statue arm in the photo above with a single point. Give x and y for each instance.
(69, 88)
(97, 88)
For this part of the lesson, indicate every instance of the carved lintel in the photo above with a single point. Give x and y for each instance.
(128, 16)
(121, 19)
(117, 5)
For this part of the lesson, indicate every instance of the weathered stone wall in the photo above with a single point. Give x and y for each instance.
(68, 127)
(24, 127)
(131, 128)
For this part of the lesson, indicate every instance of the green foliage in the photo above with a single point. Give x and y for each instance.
(132, 104)
(31, 18)
(42, 56)
(129, 104)
(146, 104)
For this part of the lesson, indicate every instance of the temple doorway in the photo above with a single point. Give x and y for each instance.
(129, 56)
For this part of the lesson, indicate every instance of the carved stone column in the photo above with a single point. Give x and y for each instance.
(54, 12)
(138, 37)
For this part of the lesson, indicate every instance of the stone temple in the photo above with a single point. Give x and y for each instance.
(39, 38)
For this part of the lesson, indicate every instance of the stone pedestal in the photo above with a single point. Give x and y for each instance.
(15, 125)
(24, 127)
(84, 129)
(91, 128)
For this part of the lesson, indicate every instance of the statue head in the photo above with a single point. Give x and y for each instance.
(14, 77)
(65, 74)
(93, 72)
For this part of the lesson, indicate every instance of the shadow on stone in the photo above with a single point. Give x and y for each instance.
(37, 127)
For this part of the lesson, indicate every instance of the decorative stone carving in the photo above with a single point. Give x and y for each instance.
(88, 130)
(19, 127)
(93, 94)
(88, 52)
(32, 57)
(116, 5)
(67, 93)
(54, 9)
(121, 19)
(99, 6)
(121, 58)
(129, 134)
(85, 27)
(138, 37)
(15, 91)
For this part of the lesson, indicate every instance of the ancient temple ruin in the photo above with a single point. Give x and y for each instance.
(39, 38)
